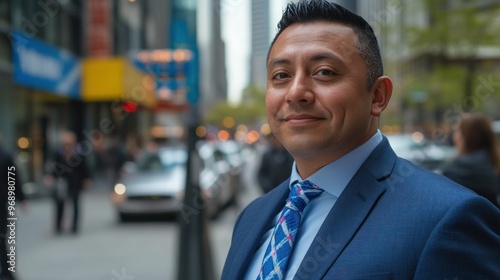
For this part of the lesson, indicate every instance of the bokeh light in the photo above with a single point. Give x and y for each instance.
(228, 122)
(201, 131)
(23, 143)
(223, 135)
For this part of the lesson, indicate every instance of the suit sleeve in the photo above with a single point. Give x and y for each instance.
(465, 244)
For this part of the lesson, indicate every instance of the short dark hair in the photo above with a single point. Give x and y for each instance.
(305, 11)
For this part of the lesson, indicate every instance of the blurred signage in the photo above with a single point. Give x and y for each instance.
(164, 62)
(98, 28)
(115, 78)
(183, 35)
(41, 66)
(170, 69)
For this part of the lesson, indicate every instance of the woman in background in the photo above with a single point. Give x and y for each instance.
(477, 165)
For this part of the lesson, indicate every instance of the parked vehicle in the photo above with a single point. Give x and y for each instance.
(496, 127)
(155, 184)
(417, 149)
(224, 158)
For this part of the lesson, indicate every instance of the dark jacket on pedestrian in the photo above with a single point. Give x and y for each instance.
(275, 168)
(71, 168)
(475, 171)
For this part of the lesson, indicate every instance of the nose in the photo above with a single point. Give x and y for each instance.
(300, 90)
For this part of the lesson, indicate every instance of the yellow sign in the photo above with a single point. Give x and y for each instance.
(110, 79)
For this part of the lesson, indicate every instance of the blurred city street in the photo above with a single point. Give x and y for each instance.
(109, 250)
(121, 93)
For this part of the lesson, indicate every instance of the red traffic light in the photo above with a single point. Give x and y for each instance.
(129, 106)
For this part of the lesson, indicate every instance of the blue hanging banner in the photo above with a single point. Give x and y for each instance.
(44, 67)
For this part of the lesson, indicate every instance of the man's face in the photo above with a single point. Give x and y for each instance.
(68, 142)
(318, 102)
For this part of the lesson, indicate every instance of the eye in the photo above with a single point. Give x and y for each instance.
(280, 76)
(325, 73)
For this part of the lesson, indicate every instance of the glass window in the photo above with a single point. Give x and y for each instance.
(5, 11)
(46, 19)
(5, 49)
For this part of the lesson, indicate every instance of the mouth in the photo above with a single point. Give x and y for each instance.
(300, 119)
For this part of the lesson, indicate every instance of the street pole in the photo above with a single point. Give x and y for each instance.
(195, 260)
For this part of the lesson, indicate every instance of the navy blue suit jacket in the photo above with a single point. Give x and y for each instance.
(394, 220)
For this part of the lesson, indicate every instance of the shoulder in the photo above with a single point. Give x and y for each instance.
(417, 194)
(468, 230)
(422, 189)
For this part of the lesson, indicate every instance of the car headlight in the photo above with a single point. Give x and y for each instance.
(120, 189)
(117, 196)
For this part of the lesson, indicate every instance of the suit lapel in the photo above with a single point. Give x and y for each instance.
(348, 213)
(251, 228)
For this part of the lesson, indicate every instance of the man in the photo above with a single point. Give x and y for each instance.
(71, 174)
(378, 216)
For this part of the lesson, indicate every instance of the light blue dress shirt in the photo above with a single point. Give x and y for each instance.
(333, 178)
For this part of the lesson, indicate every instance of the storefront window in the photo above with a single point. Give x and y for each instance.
(52, 28)
(4, 11)
(5, 49)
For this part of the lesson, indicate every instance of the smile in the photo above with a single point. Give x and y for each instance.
(301, 119)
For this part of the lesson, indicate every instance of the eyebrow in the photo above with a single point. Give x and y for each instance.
(315, 58)
(327, 56)
(278, 61)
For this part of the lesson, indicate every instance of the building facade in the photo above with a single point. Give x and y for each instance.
(73, 65)
(39, 77)
(260, 41)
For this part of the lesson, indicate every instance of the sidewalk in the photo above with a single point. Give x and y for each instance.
(104, 244)
(219, 230)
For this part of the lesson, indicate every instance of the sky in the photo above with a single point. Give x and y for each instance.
(236, 33)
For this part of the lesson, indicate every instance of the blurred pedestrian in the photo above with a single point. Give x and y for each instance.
(11, 188)
(352, 209)
(115, 160)
(70, 175)
(275, 165)
(477, 165)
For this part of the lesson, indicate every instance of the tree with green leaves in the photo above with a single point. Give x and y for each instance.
(251, 109)
(453, 49)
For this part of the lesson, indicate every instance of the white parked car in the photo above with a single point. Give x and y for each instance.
(155, 185)
(415, 148)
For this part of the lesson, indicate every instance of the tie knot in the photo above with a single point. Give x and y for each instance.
(301, 194)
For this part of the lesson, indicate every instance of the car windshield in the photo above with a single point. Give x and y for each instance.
(163, 159)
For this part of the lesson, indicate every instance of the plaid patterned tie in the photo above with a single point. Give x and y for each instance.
(280, 247)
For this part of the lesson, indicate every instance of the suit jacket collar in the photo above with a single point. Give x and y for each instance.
(344, 219)
(244, 244)
(348, 213)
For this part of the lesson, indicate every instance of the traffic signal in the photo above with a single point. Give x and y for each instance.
(129, 106)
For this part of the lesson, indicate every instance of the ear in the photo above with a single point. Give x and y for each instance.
(381, 93)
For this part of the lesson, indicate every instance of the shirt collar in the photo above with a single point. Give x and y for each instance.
(343, 169)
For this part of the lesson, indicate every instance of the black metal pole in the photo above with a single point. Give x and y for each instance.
(195, 260)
